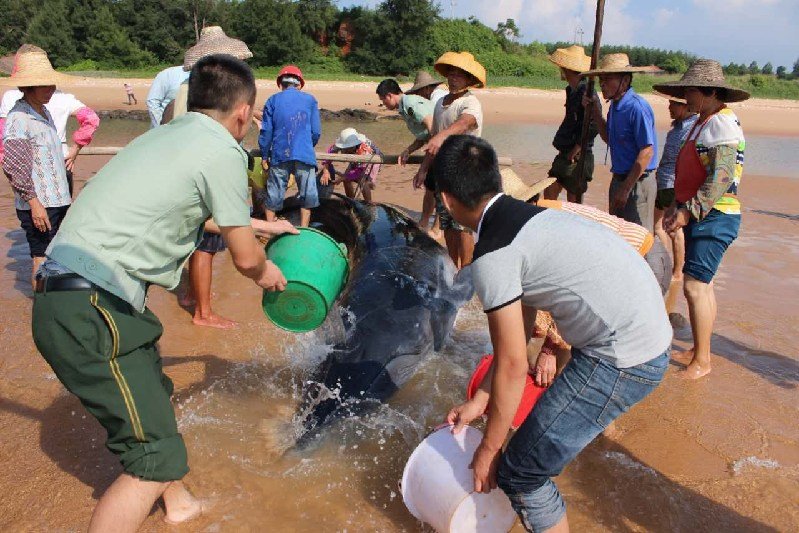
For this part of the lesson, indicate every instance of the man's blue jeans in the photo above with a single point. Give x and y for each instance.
(304, 175)
(583, 401)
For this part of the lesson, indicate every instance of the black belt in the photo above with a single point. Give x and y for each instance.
(622, 177)
(63, 282)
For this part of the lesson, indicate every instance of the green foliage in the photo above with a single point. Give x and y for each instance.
(795, 70)
(674, 65)
(782, 72)
(14, 18)
(394, 39)
(768, 69)
(83, 65)
(502, 64)
(753, 68)
(110, 45)
(318, 18)
(55, 37)
(273, 32)
(461, 35)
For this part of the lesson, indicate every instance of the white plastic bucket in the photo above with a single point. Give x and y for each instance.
(437, 486)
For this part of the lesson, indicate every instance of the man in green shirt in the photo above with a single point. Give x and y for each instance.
(135, 224)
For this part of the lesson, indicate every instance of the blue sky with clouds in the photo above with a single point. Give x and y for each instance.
(728, 30)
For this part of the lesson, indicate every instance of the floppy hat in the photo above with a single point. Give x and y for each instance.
(703, 73)
(513, 186)
(615, 64)
(348, 138)
(33, 69)
(572, 58)
(423, 79)
(672, 98)
(214, 41)
(464, 61)
(293, 71)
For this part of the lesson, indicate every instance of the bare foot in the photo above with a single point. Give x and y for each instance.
(684, 358)
(213, 321)
(694, 371)
(182, 507)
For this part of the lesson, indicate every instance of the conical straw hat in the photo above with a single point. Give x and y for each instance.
(464, 61)
(214, 41)
(423, 79)
(703, 73)
(616, 64)
(513, 186)
(572, 58)
(33, 69)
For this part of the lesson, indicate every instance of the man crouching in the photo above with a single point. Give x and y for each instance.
(135, 224)
(605, 301)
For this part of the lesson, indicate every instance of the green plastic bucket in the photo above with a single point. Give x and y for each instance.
(316, 269)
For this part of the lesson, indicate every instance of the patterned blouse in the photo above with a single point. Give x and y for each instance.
(34, 162)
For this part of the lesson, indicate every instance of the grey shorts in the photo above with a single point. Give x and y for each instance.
(660, 262)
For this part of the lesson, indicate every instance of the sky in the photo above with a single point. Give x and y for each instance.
(739, 31)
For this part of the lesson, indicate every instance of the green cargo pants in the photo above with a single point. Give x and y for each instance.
(104, 352)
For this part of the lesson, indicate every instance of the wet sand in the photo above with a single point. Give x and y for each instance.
(721, 454)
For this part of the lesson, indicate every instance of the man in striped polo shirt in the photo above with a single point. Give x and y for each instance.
(605, 301)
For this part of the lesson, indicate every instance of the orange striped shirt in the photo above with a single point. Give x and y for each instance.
(638, 237)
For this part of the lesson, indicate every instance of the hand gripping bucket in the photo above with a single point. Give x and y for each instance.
(438, 487)
(316, 269)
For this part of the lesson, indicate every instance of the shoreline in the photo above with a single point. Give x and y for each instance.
(502, 105)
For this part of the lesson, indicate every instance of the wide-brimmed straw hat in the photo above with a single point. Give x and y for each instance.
(423, 79)
(703, 73)
(616, 64)
(672, 98)
(32, 68)
(348, 138)
(513, 186)
(572, 58)
(464, 61)
(214, 41)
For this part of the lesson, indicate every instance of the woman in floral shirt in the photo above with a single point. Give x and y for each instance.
(357, 176)
(708, 175)
(33, 160)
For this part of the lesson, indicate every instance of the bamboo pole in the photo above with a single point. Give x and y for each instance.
(322, 156)
(587, 115)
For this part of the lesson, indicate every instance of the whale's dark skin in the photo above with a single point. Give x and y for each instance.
(399, 303)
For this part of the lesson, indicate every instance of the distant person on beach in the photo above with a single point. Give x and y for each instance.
(572, 61)
(129, 93)
(61, 106)
(290, 130)
(682, 120)
(630, 134)
(33, 160)
(427, 86)
(162, 92)
(708, 175)
(134, 225)
(357, 176)
(417, 111)
(457, 113)
(612, 315)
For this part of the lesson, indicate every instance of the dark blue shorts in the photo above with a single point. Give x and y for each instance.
(211, 243)
(38, 241)
(706, 241)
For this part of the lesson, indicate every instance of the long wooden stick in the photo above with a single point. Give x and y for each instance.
(322, 156)
(587, 115)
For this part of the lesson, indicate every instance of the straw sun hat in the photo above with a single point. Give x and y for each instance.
(423, 79)
(615, 64)
(33, 69)
(464, 61)
(703, 73)
(349, 138)
(214, 41)
(572, 58)
(513, 186)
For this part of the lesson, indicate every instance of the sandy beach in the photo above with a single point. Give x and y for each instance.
(720, 454)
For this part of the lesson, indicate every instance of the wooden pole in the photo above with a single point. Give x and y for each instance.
(587, 115)
(322, 156)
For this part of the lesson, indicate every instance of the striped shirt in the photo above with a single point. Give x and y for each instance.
(635, 235)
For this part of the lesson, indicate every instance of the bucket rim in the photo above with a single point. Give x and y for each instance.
(313, 230)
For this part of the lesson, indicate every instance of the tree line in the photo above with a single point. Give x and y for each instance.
(396, 38)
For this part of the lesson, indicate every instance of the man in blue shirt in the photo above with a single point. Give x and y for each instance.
(291, 128)
(629, 132)
(163, 90)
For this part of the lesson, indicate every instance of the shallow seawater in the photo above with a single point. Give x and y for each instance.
(525, 143)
